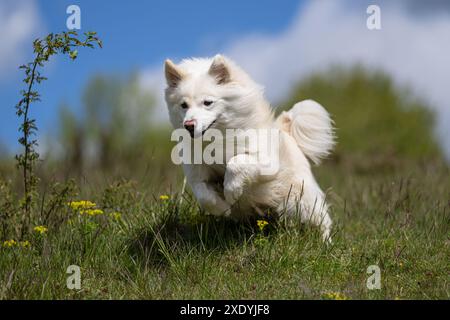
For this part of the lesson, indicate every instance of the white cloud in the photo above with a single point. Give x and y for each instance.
(413, 49)
(19, 23)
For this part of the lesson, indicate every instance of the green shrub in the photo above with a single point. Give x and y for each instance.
(373, 117)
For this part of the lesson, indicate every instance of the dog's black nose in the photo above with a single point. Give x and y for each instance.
(190, 128)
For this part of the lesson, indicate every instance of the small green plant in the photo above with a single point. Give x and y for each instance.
(64, 43)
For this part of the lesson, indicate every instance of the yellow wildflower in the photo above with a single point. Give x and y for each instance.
(262, 224)
(335, 296)
(25, 244)
(9, 243)
(40, 229)
(92, 212)
(164, 197)
(82, 205)
(116, 216)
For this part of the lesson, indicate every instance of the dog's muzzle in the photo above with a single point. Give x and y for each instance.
(189, 125)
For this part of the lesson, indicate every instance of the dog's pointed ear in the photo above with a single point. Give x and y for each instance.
(219, 70)
(173, 74)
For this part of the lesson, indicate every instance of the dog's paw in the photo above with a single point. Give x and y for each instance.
(232, 192)
(216, 206)
(223, 208)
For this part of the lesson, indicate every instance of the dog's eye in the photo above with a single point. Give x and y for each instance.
(207, 102)
(184, 105)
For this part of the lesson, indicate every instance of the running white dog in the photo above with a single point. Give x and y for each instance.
(215, 93)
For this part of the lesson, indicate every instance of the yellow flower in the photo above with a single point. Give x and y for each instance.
(335, 296)
(9, 243)
(40, 229)
(85, 207)
(164, 197)
(262, 224)
(82, 205)
(116, 216)
(92, 212)
(25, 244)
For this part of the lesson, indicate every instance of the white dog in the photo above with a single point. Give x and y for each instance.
(204, 94)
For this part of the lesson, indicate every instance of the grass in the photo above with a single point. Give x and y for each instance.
(163, 249)
(387, 183)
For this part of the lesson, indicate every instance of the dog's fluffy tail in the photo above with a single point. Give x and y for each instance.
(311, 127)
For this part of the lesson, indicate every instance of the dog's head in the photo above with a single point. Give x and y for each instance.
(206, 93)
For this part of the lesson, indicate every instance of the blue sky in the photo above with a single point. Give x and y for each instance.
(136, 35)
(277, 42)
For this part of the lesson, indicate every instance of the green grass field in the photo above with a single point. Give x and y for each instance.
(161, 249)
(388, 185)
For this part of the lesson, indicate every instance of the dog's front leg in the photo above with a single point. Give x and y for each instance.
(209, 199)
(242, 170)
